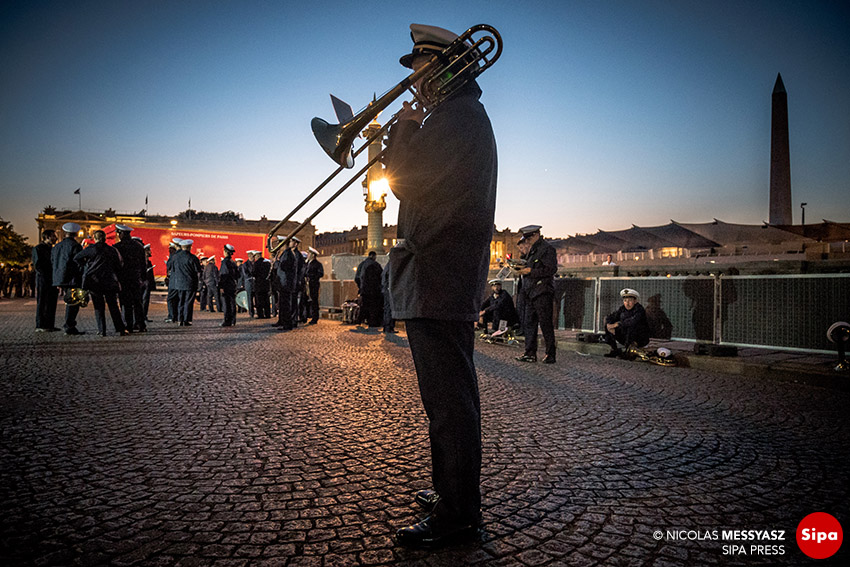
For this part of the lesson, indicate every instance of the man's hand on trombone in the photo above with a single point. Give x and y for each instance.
(411, 111)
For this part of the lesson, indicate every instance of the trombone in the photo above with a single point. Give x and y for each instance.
(473, 52)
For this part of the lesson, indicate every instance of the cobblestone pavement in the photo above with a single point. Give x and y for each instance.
(245, 446)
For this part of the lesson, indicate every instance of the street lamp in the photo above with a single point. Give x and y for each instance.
(803, 207)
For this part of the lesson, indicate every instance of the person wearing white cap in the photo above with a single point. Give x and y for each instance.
(131, 275)
(102, 265)
(210, 271)
(185, 274)
(66, 273)
(499, 306)
(314, 272)
(150, 282)
(172, 298)
(228, 277)
(627, 325)
(443, 172)
(262, 285)
(246, 271)
(538, 289)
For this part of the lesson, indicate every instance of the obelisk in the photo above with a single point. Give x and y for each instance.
(780, 157)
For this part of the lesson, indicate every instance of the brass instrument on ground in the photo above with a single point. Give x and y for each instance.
(474, 51)
(658, 356)
(76, 296)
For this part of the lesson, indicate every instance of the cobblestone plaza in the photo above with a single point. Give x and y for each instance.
(246, 446)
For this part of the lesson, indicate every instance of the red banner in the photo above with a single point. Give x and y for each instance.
(205, 243)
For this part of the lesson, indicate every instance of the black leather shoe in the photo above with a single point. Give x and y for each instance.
(527, 358)
(548, 359)
(74, 331)
(431, 533)
(427, 499)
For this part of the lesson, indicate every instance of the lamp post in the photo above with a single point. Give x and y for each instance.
(803, 208)
(375, 191)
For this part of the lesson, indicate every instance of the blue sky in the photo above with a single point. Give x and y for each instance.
(606, 114)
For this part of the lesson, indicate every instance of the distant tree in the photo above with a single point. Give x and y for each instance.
(14, 248)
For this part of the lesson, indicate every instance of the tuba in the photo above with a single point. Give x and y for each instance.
(76, 296)
(473, 52)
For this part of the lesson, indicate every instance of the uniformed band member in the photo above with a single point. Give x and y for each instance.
(368, 280)
(262, 285)
(627, 325)
(172, 297)
(66, 273)
(444, 175)
(211, 276)
(185, 273)
(102, 266)
(286, 270)
(298, 299)
(227, 278)
(247, 272)
(499, 306)
(131, 275)
(45, 292)
(314, 272)
(149, 284)
(539, 289)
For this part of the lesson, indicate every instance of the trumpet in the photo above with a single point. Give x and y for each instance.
(473, 52)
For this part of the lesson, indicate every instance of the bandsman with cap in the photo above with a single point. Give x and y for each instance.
(499, 306)
(627, 325)
(101, 265)
(262, 285)
(314, 272)
(211, 276)
(444, 175)
(66, 273)
(286, 272)
(228, 276)
(247, 272)
(298, 300)
(538, 286)
(186, 271)
(131, 276)
(172, 297)
(150, 282)
(45, 292)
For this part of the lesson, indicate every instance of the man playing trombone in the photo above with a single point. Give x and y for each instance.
(443, 171)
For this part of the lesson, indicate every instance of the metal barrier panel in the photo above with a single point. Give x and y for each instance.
(574, 301)
(790, 311)
(676, 307)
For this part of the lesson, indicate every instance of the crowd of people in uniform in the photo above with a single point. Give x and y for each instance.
(118, 278)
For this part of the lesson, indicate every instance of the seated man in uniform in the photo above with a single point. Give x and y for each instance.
(499, 306)
(627, 325)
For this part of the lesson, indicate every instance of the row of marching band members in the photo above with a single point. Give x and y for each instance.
(118, 277)
(287, 288)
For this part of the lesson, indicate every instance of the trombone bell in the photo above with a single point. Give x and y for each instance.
(329, 137)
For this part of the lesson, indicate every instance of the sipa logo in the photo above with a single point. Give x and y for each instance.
(819, 535)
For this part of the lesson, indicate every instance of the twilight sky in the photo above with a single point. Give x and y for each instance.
(606, 113)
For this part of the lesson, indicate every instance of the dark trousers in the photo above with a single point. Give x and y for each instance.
(442, 354)
(101, 301)
(261, 301)
(186, 305)
(372, 309)
(45, 309)
(228, 300)
(71, 312)
(172, 299)
(625, 337)
(131, 307)
(540, 310)
(284, 309)
(146, 300)
(313, 290)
